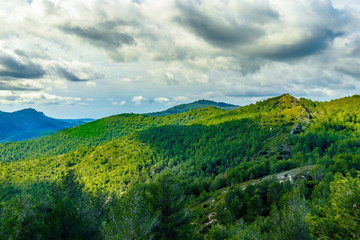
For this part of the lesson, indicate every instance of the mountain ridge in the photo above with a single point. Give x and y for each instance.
(109, 128)
(180, 108)
(29, 123)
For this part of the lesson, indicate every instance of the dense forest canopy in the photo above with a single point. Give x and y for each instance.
(283, 168)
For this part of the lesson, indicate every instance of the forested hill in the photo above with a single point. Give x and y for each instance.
(283, 168)
(97, 132)
(194, 105)
(113, 127)
(29, 123)
(100, 131)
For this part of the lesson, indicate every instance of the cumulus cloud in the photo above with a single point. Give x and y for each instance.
(164, 76)
(277, 30)
(122, 103)
(176, 74)
(279, 78)
(18, 85)
(18, 65)
(20, 70)
(18, 97)
(138, 100)
(213, 22)
(100, 36)
(174, 29)
(91, 84)
(180, 99)
(162, 100)
(77, 71)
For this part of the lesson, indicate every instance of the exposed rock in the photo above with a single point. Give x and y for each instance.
(297, 129)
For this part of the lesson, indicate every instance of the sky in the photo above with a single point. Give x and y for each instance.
(96, 58)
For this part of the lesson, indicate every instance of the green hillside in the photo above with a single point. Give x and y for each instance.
(277, 169)
(195, 105)
(95, 133)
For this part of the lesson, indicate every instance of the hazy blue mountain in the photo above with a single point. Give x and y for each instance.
(194, 105)
(29, 123)
(77, 122)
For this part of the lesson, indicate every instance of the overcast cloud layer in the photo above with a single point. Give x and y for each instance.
(94, 58)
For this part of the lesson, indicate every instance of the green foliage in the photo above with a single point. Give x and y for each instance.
(130, 217)
(64, 211)
(250, 232)
(21, 218)
(167, 196)
(341, 218)
(218, 232)
(288, 223)
(95, 133)
(195, 105)
(75, 213)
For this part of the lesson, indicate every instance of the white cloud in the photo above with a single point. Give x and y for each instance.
(41, 98)
(346, 4)
(178, 74)
(180, 99)
(91, 84)
(183, 30)
(162, 100)
(76, 71)
(138, 100)
(122, 103)
(60, 83)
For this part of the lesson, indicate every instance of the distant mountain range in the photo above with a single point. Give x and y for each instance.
(29, 123)
(194, 105)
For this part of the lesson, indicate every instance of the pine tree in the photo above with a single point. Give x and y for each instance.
(167, 195)
(131, 217)
(340, 219)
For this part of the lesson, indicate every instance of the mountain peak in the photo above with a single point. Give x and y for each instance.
(28, 111)
(287, 96)
(29, 123)
(282, 101)
(287, 99)
(204, 101)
